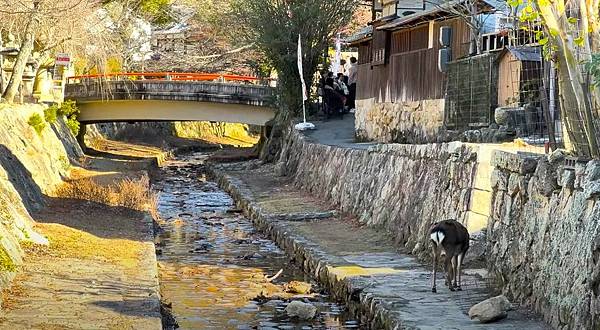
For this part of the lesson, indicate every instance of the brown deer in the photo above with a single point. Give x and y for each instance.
(449, 238)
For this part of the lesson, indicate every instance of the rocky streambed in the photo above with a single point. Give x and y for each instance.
(218, 272)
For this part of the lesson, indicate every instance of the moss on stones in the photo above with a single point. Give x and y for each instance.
(6, 262)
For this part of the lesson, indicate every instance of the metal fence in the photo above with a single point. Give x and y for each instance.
(471, 92)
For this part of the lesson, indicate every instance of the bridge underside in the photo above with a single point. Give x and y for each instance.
(159, 110)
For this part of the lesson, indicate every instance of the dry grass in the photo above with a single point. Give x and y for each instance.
(133, 194)
(10, 296)
(66, 242)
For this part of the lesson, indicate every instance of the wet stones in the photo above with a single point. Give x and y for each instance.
(301, 310)
(202, 248)
(250, 256)
(298, 287)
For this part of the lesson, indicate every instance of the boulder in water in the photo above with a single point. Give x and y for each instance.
(298, 287)
(301, 310)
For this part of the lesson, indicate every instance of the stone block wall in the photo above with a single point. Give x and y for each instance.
(402, 188)
(403, 122)
(152, 132)
(543, 232)
(544, 237)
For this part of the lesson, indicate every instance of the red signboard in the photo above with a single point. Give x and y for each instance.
(62, 59)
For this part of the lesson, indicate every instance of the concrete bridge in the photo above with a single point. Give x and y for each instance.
(134, 97)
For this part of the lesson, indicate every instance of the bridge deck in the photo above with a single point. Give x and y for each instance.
(167, 100)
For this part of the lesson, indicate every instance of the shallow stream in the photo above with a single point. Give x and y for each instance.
(213, 263)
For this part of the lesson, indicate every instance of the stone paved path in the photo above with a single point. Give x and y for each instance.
(336, 132)
(368, 261)
(99, 272)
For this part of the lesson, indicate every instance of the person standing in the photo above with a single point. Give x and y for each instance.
(334, 101)
(352, 78)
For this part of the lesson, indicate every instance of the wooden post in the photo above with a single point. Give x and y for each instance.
(546, 105)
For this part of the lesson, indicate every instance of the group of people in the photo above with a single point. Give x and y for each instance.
(339, 91)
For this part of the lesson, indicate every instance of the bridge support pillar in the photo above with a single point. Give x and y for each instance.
(81, 137)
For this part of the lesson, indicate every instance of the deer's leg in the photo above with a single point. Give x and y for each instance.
(446, 268)
(454, 271)
(449, 272)
(435, 260)
(461, 256)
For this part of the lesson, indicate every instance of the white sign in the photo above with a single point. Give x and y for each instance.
(335, 67)
(304, 93)
(62, 59)
(303, 125)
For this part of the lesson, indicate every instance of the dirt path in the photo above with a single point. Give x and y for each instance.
(97, 272)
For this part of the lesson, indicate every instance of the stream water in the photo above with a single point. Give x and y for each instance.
(213, 263)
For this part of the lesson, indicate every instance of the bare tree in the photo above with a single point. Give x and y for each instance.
(46, 27)
(24, 52)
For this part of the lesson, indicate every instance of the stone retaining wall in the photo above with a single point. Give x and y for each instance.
(403, 122)
(544, 237)
(152, 132)
(403, 188)
(543, 234)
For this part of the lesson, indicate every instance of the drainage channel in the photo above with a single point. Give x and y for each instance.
(216, 270)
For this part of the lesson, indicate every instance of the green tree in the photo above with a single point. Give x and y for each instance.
(274, 25)
(571, 34)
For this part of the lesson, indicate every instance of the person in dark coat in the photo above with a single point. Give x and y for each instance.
(334, 101)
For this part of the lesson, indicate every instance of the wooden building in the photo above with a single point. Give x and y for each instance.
(398, 76)
(519, 75)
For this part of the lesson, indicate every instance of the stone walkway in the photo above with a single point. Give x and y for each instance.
(336, 132)
(361, 266)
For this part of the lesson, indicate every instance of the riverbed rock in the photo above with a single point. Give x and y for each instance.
(298, 287)
(301, 310)
(491, 310)
(280, 169)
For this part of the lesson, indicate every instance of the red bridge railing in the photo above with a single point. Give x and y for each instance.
(168, 76)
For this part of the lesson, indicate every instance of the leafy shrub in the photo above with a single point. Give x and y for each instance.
(65, 164)
(68, 108)
(593, 68)
(37, 122)
(73, 125)
(6, 262)
(70, 111)
(50, 114)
